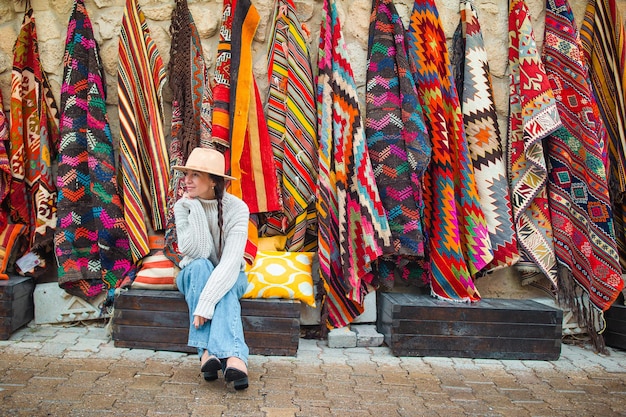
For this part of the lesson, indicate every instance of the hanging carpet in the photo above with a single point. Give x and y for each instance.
(483, 136)
(144, 159)
(353, 228)
(580, 206)
(459, 243)
(34, 137)
(603, 38)
(292, 127)
(533, 116)
(239, 128)
(397, 140)
(91, 244)
(5, 168)
(191, 109)
(238, 120)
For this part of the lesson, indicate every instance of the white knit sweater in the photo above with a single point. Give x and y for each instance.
(198, 237)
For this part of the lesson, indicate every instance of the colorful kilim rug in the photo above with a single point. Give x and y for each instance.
(459, 243)
(34, 136)
(603, 38)
(292, 125)
(397, 140)
(191, 108)
(145, 165)
(91, 244)
(353, 228)
(5, 168)
(250, 149)
(533, 116)
(238, 124)
(580, 206)
(483, 136)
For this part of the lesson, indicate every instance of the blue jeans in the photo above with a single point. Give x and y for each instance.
(223, 335)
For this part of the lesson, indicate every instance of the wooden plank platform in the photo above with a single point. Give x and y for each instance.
(159, 320)
(16, 304)
(615, 333)
(420, 325)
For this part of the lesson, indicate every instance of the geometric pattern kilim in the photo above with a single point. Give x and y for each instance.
(34, 139)
(532, 116)
(483, 136)
(580, 206)
(353, 228)
(91, 242)
(397, 140)
(459, 243)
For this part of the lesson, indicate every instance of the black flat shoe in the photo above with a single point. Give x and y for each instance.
(238, 377)
(210, 368)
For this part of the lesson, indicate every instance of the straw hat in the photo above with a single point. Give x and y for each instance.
(206, 160)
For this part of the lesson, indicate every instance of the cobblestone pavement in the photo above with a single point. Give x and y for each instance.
(57, 370)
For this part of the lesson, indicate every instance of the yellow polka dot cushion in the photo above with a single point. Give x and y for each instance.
(278, 274)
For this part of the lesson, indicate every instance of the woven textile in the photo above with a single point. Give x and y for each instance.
(238, 125)
(91, 244)
(459, 244)
(238, 121)
(292, 125)
(5, 168)
(191, 109)
(483, 136)
(145, 166)
(34, 136)
(580, 206)
(12, 246)
(397, 140)
(533, 116)
(603, 39)
(353, 228)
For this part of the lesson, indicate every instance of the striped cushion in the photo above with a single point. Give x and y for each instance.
(157, 272)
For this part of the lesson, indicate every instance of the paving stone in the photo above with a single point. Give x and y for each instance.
(367, 335)
(342, 337)
(39, 376)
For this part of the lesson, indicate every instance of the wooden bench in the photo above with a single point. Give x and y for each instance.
(420, 325)
(615, 333)
(159, 320)
(16, 304)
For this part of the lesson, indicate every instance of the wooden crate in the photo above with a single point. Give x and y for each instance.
(419, 325)
(159, 320)
(16, 304)
(615, 333)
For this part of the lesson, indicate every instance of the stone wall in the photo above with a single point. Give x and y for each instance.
(52, 16)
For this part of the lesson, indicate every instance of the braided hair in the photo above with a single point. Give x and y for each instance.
(220, 186)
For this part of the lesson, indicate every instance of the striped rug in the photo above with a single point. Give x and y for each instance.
(238, 120)
(292, 125)
(144, 159)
